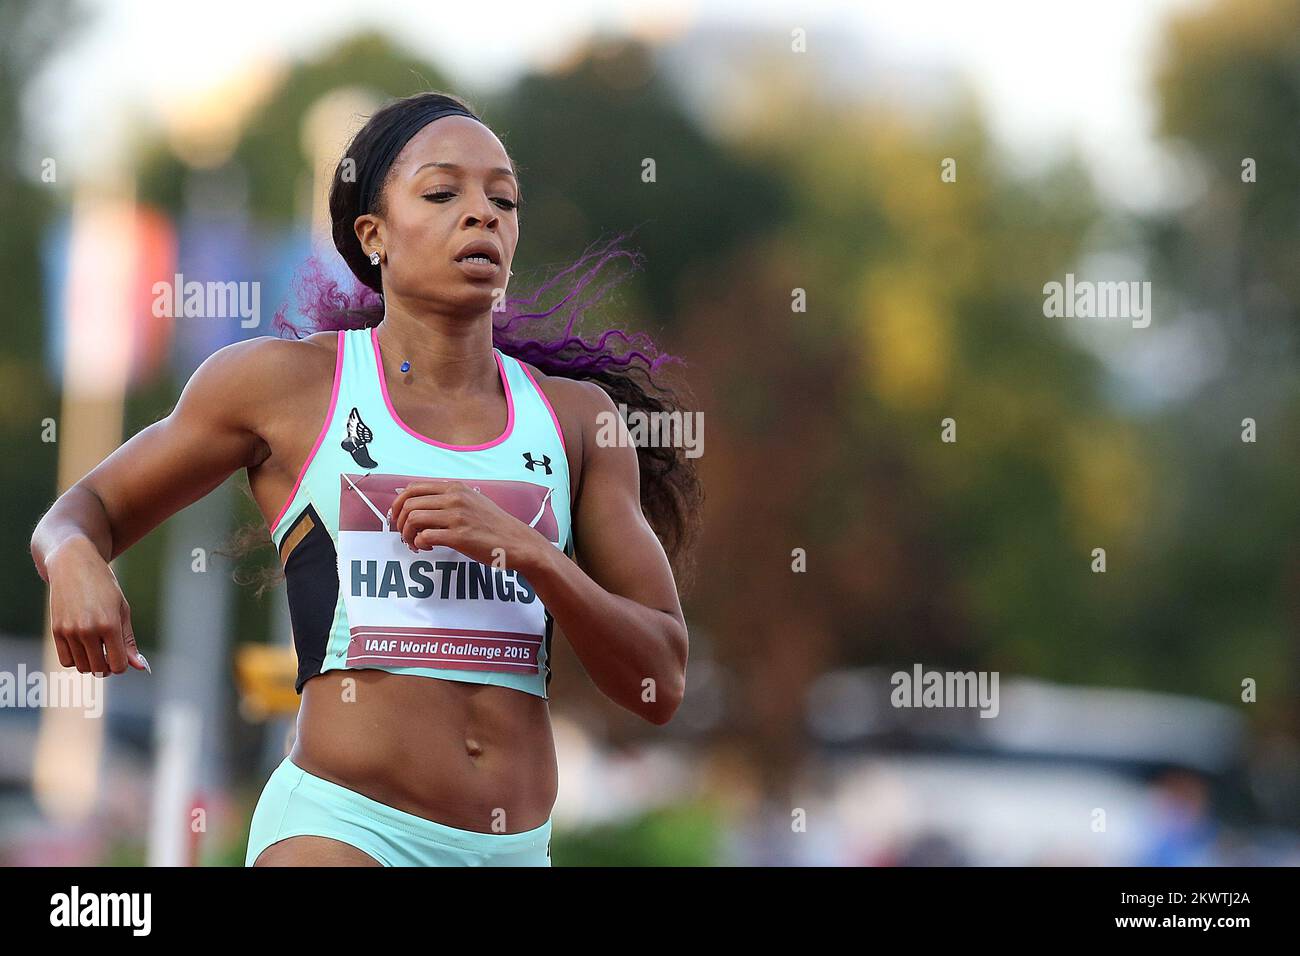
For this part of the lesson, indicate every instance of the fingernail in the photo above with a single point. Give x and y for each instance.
(145, 661)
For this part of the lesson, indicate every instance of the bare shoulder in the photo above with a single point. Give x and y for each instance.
(286, 356)
(254, 367)
(249, 384)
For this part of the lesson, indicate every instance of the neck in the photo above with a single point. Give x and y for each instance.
(450, 356)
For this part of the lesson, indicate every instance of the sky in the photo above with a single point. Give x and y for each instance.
(1050, 75)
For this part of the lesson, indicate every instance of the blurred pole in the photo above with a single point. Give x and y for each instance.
(178, 730)
(65, 771)
(327, 125)
(198, 592)
(196, 622)
(99, 270)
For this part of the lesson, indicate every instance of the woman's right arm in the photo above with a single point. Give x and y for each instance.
(210, 434)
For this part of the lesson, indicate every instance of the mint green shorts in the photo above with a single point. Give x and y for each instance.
(297, 803)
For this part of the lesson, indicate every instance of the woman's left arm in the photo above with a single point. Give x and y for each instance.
(618, 605)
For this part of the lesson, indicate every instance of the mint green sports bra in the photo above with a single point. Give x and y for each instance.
(358, 597)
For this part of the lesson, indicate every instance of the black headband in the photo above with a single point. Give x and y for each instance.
(390, 143)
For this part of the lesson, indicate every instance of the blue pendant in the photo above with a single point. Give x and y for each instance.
(406, 366)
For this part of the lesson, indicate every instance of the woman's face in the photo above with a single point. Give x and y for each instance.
(451, 185)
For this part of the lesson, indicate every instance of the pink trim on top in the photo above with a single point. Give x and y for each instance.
(558, 430)
(505, 383)
(329, 416)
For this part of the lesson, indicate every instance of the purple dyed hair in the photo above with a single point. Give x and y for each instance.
(327, 307)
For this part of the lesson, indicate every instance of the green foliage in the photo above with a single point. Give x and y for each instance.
(29, 35)
(581, 175)
(680, 835)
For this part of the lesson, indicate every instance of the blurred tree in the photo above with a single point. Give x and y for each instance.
(582, 135)
(30, 33)
(1226, 602)
(924, 302)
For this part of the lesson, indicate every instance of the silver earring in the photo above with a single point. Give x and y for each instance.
(512, 271)
(374, 258)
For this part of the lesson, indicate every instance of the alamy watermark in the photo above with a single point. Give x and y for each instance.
(64, 688)
(131, 911)
(955, 689)
(179, 299)
(1098, 300)
(674, 429)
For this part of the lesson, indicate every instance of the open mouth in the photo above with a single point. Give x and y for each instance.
(480, 252)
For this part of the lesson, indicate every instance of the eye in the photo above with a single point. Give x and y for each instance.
(443, 195)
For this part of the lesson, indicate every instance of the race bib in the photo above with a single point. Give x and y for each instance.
(437, 608)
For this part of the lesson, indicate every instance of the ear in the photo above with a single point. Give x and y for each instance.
(369, 230)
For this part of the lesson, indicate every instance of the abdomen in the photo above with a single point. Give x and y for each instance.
(475, 757)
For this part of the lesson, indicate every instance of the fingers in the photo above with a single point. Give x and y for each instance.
(64, 652)
(90, 623)
(98, 663)
(89, 639)
(115, 649)
(425, 486)
(86, 643)
(424, 519)
(433, 538)
(98, 647)
(79, 658)
(428, 507)
(133, 655)
(402, 513)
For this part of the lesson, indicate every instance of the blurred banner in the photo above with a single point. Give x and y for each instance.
(101, 263)
(108, 337)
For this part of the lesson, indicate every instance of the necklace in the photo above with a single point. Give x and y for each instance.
(406, 365)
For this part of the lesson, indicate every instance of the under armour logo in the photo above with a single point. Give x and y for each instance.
(531, 463)
(359, 435)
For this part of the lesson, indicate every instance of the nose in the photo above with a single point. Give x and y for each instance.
(481, 213)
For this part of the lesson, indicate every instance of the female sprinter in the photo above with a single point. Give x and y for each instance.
(425, 489)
